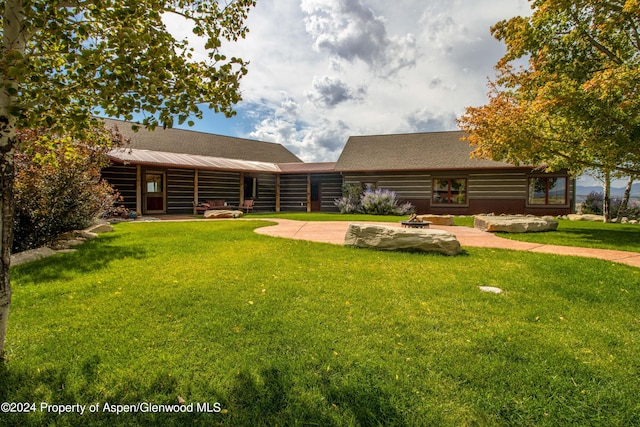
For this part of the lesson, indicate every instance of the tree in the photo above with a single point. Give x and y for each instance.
(575, 104)
(65, 61)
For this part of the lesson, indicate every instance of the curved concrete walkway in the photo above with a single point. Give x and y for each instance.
(334, 231)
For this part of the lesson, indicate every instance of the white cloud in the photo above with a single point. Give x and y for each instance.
(321, 70)
(349, 31)
(331, 91)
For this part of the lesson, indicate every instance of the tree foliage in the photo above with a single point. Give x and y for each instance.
(62, 62)
(574, 103)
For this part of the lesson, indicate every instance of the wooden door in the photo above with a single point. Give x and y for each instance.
(154, 192)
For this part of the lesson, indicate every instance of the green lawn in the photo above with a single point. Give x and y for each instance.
(587, 234)
(569, 233)
(284, 332)
(304, 216)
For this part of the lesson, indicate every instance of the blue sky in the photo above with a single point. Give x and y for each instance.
(322, 70)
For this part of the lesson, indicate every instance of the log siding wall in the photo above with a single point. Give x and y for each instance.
(180, 184)
(293, 193)
(217, 185)
(266, 200)
(499, 191)
(330, 190)
(123, 178)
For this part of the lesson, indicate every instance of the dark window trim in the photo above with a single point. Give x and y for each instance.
(449, 178)
(546, 200)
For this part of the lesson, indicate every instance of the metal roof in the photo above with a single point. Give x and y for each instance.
(191, 161)
(174, 140)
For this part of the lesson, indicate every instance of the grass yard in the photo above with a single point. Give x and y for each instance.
(570, 233)
(272, 331)
(588, 235)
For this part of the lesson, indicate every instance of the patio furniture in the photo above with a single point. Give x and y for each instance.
(211, 205)
(247, 206)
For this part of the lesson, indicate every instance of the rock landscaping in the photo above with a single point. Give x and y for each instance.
(389, 238)
(216, 214)
(514, 223)
(490, 289)
(62, 244)
(437, 219)
(585, 217)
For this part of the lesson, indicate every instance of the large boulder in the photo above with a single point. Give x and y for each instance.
(216, 214)
(31, 255)
(586, 217)
(389, 238)
(514, 223)
(436, 219)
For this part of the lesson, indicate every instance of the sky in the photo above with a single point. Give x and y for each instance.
(323, 70)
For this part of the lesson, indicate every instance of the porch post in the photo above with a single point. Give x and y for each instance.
(309, 192)
(139, 188)
(277, 192)
(241, 188)
(195, 191)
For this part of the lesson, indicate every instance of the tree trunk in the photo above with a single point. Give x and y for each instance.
(606, 196)
(625, 199)
(6, 236)
(13, 42)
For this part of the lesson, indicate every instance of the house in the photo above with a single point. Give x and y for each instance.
(168, 170)
(436, 173)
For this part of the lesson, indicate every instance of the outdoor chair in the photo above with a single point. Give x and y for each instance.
(246, 206)
(217, 204)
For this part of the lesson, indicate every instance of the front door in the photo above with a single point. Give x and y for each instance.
(154, 192)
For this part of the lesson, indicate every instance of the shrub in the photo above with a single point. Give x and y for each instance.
(350, 200)
(62, 193)
(383, 202)
(593, 204)
(375, 201)
(594, 201)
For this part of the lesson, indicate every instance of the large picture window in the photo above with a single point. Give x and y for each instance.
(449, 191)
(548, 191)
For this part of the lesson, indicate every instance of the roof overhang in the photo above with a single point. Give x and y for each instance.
(188, 161)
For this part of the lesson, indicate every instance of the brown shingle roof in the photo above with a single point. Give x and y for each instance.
(417, 151)
(203, 144)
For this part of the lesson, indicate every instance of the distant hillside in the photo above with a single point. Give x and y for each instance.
(615, 191)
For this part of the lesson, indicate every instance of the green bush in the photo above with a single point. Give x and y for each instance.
(57, 191)
(349, 203)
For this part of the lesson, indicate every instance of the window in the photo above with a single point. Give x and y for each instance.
(449, 191)
(369, 186)
(154, 182)
(548, 191)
